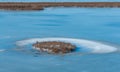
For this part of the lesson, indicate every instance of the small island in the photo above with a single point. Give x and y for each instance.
(54, 47)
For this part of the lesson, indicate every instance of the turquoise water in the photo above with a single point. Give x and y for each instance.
(96, 24)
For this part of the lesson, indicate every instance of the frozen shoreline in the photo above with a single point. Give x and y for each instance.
(42, 5)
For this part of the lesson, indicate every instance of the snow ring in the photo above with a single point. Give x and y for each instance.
(95, 47)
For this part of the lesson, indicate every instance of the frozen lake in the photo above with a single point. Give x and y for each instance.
(94, 24)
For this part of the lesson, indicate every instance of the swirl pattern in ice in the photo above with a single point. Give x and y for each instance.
(2, 50)
(95, 47)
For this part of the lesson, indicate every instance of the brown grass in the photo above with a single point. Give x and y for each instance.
(42, 5)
